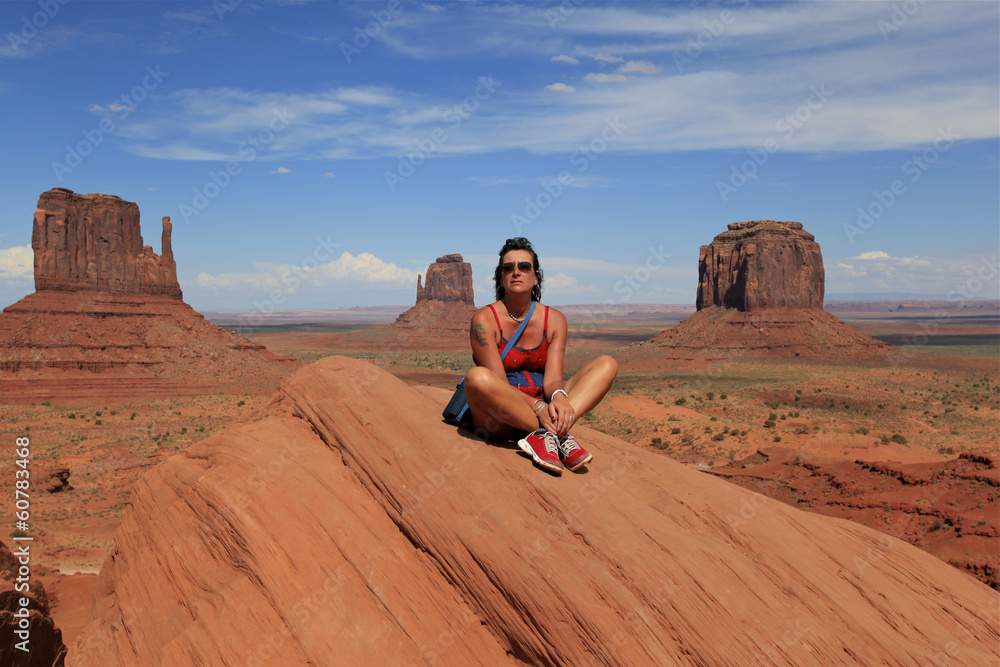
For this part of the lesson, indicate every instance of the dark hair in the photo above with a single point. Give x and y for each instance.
(517, 243)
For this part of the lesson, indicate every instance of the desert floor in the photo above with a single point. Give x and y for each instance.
(908, 448)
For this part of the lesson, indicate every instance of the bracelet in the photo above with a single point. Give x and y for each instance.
(540, 408)
(559, 391)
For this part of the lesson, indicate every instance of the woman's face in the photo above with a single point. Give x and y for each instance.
(518, 271)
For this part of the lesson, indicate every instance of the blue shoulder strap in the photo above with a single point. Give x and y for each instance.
(517, 334)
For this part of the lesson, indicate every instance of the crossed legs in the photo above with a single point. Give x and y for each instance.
(501, 410)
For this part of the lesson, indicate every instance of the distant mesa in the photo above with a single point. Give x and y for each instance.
(107, 317)
(760, 295)
(761, 264)
(445, 303)
(92, 242)
(448, 279)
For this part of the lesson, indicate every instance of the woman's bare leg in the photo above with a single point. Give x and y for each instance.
(589, 385)
(495, 405)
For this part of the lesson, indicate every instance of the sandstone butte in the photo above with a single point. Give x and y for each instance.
(760, 295)
(439, 320)
(107, 316)
(344, 523)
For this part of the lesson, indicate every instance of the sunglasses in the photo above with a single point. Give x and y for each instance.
(523, 267)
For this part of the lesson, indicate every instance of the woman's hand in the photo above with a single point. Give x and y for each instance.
(560, 413)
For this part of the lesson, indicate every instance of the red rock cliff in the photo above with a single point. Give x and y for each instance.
(448, 279)
(92, 242)
(761, 264)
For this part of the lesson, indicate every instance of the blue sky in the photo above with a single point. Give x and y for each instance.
(321, 154)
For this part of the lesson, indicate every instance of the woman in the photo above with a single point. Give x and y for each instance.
(542, 405)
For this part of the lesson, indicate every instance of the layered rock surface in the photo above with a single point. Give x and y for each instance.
(448, 279)
(92, 243)
(760, 295)
(344, 523)
(107, 319)
(761, 264)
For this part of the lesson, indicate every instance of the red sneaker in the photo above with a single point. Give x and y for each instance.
(573, 455)
(542, 446)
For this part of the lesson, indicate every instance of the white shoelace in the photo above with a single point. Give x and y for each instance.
(568, 444)
(551, 443)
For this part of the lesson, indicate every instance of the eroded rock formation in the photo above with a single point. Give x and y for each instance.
(761, 264)
(760, 295)
(448, 279)
(92, 243)
(444, 308)
(44, 645)
(107, 319)
(320, 531)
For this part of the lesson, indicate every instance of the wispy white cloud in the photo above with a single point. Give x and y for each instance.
(878, 271)
(732, 98)
(17, 264)
(364, 269)
(281, 170)
(606, 78)
(640, 66)
(560, 88)
(607, 58)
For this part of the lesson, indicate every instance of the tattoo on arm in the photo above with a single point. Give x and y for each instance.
(480, 332)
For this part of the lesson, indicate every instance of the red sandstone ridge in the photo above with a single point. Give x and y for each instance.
(107, 318)
(344, 523)
(760, 295)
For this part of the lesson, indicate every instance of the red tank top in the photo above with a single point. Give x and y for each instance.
(519, 359)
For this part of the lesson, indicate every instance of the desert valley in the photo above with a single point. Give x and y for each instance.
(777, 480)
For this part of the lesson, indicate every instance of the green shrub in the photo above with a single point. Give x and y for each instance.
(898, 438)
(862, 430)
(769, 424)
(675, 430)
(680, 401)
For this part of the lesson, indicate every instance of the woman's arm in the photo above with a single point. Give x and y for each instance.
(560, 411)
(485, 337)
